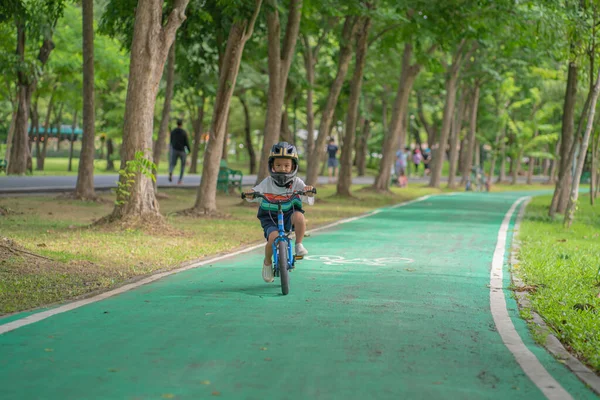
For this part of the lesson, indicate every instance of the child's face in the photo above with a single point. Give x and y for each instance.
(282, 165)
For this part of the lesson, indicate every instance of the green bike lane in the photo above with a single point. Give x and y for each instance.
(393, 305)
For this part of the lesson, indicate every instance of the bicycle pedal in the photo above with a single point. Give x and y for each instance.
(298, 257)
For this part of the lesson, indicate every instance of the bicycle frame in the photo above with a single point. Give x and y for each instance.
(282, 237)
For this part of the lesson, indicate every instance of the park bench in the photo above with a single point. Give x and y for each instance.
(3, 165)
(229, 179)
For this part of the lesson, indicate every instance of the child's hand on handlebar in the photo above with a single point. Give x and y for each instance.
(308, 189)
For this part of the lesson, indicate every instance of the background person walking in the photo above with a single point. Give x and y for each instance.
(332, 162)
(179, 145)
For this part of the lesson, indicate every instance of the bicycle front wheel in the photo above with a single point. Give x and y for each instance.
(283, 267)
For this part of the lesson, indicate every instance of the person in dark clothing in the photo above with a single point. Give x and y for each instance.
(179, 145)
(332, 162)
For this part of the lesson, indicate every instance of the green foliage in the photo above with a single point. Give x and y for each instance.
(139, 165)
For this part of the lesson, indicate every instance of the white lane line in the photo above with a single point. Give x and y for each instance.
(11, 326)
(526, 359)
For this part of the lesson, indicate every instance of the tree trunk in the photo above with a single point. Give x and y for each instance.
(493, 161)
(224, 148)
(151, 43)
(280, 60)
(597, 185)
(41, 156)
(345, 55)
(531, 164)
(11, 134)
(163, 130)
(561, 192)
(594, 168)
(546, 164)
(552, 177)
(57, 125)
(408, 75)
(73, 126)
(516, 167)
(430, 129)
(470, 145)
(20, 153)
(455, 138)
(198, 130)
(84, 188)
(286, 133)
(309, 66)
(248, 135)
(110, 165)
(363, 149)
(451, 87)
(102, 144)
(345, 174)
(384, 110)
(570, 210)
(206, 198)
(462, 154)
(502, 172)
(35, 125)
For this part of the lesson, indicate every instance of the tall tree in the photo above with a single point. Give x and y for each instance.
(461, 53)
(280, 60)
(345, 176)
(84, 189)
(325, 125)
(574, 194)
(239, 33)
(311, 51)
(150, 46)
(455, 137)
(39, 21)
(247, 134)
(470, 142)
(561, 191)
(409, 72)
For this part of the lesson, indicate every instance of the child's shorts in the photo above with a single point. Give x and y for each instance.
(269, 223)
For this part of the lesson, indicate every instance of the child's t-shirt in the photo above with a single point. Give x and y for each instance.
(272, 191)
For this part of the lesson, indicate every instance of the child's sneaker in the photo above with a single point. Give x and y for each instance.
(300, 250)
(267, 273)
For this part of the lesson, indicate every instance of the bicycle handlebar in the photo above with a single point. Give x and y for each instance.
(299, 192)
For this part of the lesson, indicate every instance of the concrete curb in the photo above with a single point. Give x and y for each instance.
(552, 344)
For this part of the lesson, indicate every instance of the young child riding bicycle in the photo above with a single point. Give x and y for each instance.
(283, 168)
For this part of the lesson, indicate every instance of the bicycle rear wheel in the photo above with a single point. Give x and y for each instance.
(283, 267)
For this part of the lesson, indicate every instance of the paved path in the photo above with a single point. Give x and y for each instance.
(28, 184)
(396, 305)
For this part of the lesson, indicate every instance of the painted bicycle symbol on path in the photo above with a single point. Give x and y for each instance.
(339, 260)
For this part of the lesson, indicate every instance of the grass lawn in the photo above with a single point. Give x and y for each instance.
(79, 259)
(562, 266)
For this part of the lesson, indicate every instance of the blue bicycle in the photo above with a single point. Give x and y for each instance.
(283, 259)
